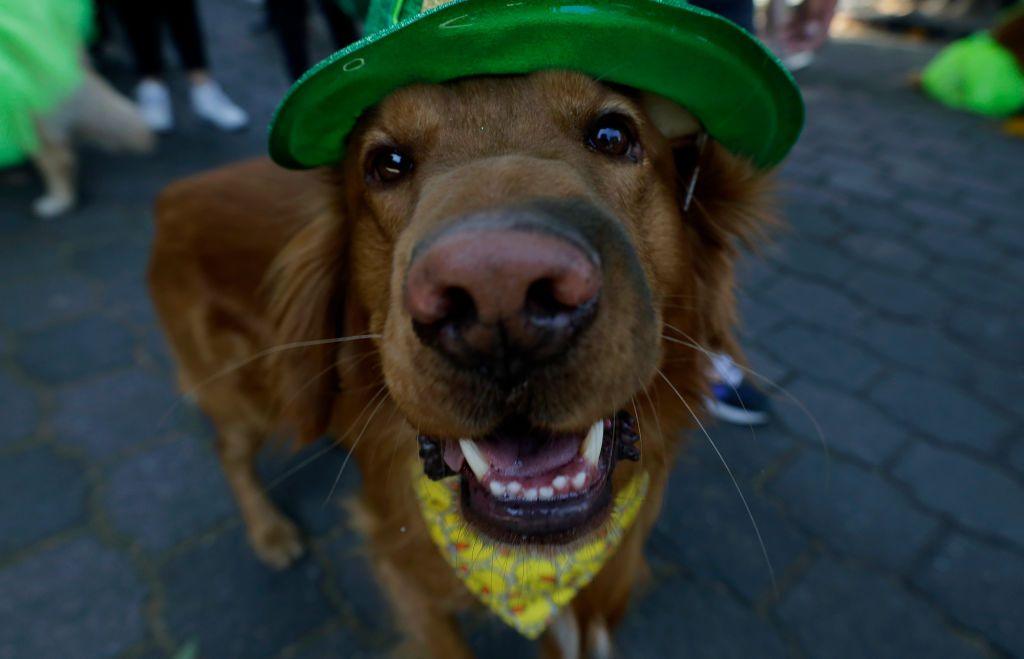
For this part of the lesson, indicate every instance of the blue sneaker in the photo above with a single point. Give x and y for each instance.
(733, 399)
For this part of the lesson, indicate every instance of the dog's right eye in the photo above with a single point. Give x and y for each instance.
(388, 165)
(612, 135)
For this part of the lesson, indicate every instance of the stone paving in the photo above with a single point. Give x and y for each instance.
(890, 310)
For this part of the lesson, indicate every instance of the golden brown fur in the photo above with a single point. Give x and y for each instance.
(251, 257)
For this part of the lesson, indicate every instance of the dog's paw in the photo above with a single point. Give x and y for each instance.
(277, 542)
(51, 206)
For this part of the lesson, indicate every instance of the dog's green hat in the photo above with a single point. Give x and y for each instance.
(739, 91)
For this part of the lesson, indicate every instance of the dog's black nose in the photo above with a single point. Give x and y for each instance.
(501, 299)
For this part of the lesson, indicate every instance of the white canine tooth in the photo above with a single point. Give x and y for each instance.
(513, 487)
(579, 480)
(591, 449)
(497, 488)
(530, 494)
(546, 493)
(474, 458)
(560, 482)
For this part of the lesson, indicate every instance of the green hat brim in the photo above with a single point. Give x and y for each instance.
(736, 88)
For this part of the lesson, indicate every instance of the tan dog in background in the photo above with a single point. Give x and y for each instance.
(505, 261)
(97, 114)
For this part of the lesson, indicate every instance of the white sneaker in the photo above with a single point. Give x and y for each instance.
(798, 61)
(211, 103)
(155, 105)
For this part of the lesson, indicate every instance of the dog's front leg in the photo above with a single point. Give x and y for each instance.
(274, 537)
(569, 637)
(429, 631)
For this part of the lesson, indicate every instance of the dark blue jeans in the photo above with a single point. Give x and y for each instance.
(740, 12)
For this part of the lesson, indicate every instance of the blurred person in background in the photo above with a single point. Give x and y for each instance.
(793, 29)
(733, 399)
(797, 30)
(49, 95)
(144, 22)
(290, 21)
(795, 33)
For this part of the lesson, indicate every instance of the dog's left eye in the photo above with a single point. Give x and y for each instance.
(612, 135)
(388, 164)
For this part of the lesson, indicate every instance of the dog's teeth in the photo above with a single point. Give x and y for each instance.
(591, 449)
(560, 482)
(579, 480)
(474, 458)
(513, 487)
(497, 488)
(530, 494)
(546, 492)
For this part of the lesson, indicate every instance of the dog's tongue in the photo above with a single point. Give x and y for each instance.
(519, 452)
(523, 453)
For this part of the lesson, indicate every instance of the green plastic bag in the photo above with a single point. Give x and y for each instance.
(976, 74)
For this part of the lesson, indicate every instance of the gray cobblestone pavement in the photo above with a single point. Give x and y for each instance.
(891, 309)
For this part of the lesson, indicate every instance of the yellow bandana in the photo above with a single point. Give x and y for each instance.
(525, 585)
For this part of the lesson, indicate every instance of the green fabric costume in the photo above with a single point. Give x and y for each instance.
(976, 74)
(41, 42)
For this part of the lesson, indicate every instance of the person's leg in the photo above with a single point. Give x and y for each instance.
(141, 23)
(208, 99)
(342, 27)
(186, 33)
(101, 20)
(288, 19)
(740, 12)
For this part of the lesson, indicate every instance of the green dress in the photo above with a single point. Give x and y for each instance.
(41, 45)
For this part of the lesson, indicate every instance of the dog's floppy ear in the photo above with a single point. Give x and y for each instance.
(671, 119)
(306, 286)
(724, 200)
(724, 195)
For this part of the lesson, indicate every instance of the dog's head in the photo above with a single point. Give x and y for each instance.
(534, 252)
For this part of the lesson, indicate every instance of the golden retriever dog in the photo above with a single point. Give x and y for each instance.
(499, 268)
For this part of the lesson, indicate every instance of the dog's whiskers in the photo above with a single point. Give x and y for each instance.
(735, 391)
(387, 422)
(352, 449)
(319, 375)
(194, 389)
(302, 465)
(732, 477)
(760, 377)
(396, 442)
(273, 350)
(639, 432)
(319, 454)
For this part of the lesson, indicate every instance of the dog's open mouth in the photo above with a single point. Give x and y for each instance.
(521, 483)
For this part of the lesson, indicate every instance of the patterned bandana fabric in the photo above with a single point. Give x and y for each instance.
(525, 585)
